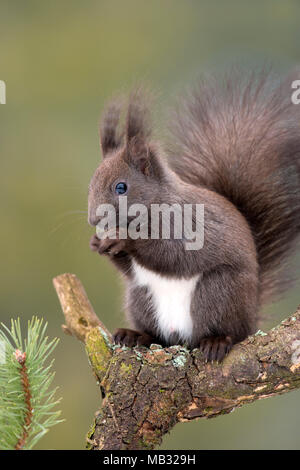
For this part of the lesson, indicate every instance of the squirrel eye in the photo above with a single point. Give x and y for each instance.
(121, 188)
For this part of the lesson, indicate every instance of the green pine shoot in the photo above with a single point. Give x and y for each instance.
(26, 400)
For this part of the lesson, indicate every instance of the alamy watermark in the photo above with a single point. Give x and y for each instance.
(2, 92)
(160, 221)
(296, 94)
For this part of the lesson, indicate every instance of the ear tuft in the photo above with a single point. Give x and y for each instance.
(138, 120)
(110, 139)
(138, 132)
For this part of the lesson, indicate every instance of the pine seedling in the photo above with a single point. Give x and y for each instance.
(27, 401)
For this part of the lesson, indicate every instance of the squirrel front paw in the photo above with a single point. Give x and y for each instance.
(107, 246)
(132, 338)
(215, 348)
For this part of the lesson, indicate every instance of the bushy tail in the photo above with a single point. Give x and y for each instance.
(241, 138)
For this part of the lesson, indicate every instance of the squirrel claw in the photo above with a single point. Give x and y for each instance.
(131, 338)
(107, 246)
(215, 348)
(94, 243)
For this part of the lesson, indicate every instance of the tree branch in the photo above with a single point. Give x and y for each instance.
(79, 313)
(147, 391)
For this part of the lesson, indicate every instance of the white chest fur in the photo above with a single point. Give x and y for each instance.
(171, 300)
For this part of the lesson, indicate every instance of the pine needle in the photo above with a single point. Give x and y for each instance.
(26, 401)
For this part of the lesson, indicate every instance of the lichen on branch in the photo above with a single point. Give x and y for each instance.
(147, 391)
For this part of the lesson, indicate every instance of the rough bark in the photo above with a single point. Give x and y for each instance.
(147, 391)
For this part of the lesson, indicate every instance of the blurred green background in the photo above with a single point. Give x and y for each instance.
(61, 60)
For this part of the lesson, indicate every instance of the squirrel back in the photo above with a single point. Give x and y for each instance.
(241, 139)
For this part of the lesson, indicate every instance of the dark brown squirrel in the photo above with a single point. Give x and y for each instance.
(235, 149)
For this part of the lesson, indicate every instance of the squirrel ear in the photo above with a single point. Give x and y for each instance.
(109, 138)
(137, 133)
(138, 155)
(137, 119)
(144, 158)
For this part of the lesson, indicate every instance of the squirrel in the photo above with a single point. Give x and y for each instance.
(235, 148)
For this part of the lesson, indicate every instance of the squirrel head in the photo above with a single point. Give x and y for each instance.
(131, 165)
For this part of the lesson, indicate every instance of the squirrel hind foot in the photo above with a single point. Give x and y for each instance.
(131, 338)
(215, 348)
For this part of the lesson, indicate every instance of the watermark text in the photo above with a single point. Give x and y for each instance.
(2, 92)
(160, 221)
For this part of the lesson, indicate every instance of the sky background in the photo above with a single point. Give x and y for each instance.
(61, 61)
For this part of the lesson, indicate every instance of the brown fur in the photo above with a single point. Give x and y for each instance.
(241, 139)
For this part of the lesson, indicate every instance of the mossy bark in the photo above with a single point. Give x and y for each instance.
(147, 391)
